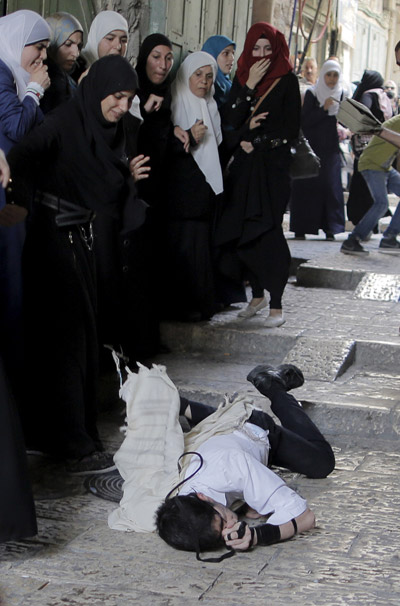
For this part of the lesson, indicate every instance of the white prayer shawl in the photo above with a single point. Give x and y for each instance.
(323, 92)
(16, 31)
(148, 457)
(187, 108)
(104, 23)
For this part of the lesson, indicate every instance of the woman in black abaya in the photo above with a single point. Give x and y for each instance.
(75, 160)
(264, 109)
(194, 182)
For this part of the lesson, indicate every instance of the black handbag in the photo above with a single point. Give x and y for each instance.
(305, 162)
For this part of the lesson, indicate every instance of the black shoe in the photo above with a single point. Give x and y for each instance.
(352, 246)
(298, 236)
(389, 245)
(97, 462)
(286, 376)
(291, 376)
(329, 236)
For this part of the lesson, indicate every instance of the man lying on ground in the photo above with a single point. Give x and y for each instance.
(235, 466)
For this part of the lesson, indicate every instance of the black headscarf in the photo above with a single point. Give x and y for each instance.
(92, 146)
(81, 155)
(156, 128)
(370, 79)
(146, 86)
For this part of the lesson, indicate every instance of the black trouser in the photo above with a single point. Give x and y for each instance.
(297, 444)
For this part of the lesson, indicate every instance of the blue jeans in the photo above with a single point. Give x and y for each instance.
(380, 183)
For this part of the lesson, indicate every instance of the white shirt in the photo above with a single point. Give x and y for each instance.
(235, 468)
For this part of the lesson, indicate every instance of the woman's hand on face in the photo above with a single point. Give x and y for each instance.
(257, 72)
(138, 169)
(39, 74)
(247, 146)
(153, 103)
(255, 121)
(183, 136)
(328, 102)
(198, 130)
(11, 214)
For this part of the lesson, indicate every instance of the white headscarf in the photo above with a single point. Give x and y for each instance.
(17, 30)
(187, 108)
(322, 91)
(104, 23)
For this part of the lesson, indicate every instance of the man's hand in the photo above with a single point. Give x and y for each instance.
(183, 136)
(153, 103)
(198, 130)
(138, 169)
(11, 214)
(233, 537)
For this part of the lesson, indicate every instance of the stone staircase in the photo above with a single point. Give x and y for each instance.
(342, 330)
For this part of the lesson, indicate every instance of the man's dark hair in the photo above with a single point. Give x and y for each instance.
(397, 47)
(187, 523)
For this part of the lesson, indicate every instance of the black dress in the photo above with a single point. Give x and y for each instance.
(73, 157)
(188, 215)
(17, 511)
(249, 236)
(131, 320)
(318, 203)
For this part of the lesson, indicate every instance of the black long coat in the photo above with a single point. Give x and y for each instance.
(318, 203)
(249, 227)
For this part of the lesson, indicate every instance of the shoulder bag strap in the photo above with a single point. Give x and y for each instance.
(261, 99)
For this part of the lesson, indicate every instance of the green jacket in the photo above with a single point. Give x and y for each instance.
(379, 154)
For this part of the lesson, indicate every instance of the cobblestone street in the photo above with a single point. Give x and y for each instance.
(347, 342)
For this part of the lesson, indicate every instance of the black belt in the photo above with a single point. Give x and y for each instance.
(67, 212)
(264, 142)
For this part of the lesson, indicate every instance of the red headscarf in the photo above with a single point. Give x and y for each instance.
(280, 64)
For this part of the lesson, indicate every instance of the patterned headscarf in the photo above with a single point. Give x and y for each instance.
(62, 26)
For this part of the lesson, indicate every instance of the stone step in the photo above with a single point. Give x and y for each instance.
(324, 347)
(320, 264)
(359, 408)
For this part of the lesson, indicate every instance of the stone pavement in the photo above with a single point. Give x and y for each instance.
(347, 341)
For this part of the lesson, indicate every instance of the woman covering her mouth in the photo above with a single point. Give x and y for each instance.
(24, 37)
